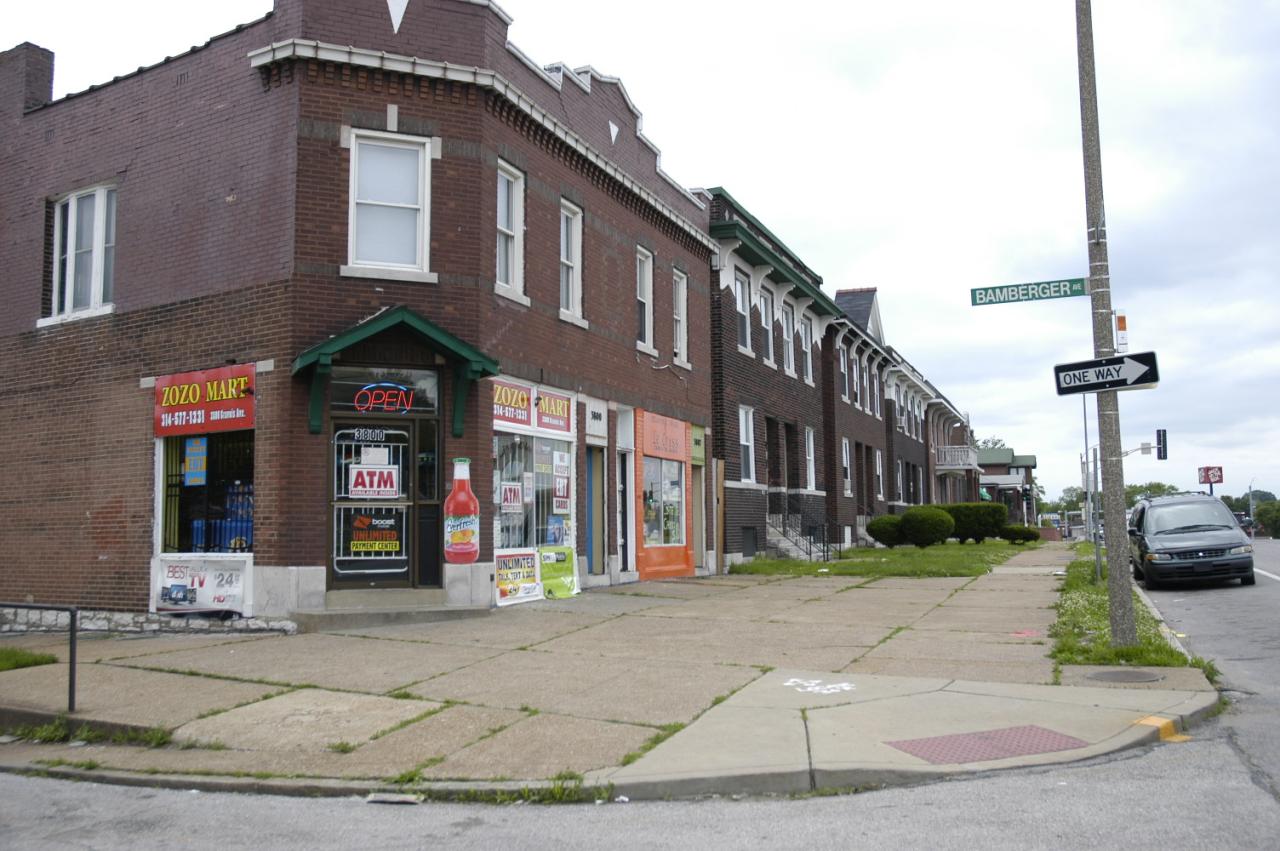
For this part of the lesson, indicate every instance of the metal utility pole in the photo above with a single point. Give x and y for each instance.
(1124, 631)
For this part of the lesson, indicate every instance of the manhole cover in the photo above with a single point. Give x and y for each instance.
(1126, 676)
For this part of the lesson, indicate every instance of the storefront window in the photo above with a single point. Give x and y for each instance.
(531, 491)
(208, 493)
(663, 502)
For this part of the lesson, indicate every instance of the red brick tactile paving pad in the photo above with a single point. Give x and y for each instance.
(988, 745)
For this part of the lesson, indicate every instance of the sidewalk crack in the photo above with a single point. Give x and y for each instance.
(808, 749)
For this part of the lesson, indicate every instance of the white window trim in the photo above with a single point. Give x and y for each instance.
(806, 345)
(848, 466)
(680, 311)
(514, 289)
(842, 352)
(902, 493)
(646, 345)
(575, 315)
(741, 295)
(429, 149)
(879, 474)
(789, 340)
(767, 323)
(746, 414)
(60, 290)
(877, 395)
(810, 467)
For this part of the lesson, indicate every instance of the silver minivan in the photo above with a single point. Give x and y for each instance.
(1187, 537)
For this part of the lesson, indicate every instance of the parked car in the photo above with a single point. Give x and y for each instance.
(1187, 537)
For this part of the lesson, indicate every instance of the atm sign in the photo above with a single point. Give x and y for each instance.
(365, 481)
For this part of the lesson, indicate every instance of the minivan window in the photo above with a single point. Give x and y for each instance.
(1188, 517)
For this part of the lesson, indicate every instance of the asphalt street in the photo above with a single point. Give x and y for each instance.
(1238, 628)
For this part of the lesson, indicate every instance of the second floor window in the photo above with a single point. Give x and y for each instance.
(680, 327)
(879, 474)
(644, 300)
(390, 209)
(509, 277)
(742, 298)
(857, 388)
(84, 252)
(766, 322)
(789, 339)
(806, 343)
(843, 355)
(570, 260)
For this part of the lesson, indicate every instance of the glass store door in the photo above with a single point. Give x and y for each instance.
(372, 507)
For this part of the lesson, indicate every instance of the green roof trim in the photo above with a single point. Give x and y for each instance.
(470, 364)
(1024, 461)
(761, 253)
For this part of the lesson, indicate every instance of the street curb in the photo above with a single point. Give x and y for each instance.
(1165, 630)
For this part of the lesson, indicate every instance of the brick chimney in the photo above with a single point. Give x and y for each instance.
(26, 79)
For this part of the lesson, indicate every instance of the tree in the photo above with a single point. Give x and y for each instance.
(1072, 499)
(1267, 515)
(992, 443)
(1241, 503)
(1132, 492)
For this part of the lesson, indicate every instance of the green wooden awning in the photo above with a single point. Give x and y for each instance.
(469, 363)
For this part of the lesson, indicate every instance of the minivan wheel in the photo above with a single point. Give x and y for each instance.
(1137, 571)
(1248, 580)
(1151, 582)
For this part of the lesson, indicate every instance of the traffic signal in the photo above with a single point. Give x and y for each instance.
(1162, 445)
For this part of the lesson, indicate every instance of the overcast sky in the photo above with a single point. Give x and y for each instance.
(926, 148)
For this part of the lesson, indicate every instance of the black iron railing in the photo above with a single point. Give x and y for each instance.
(73, 627)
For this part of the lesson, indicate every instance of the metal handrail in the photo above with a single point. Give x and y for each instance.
(75, 617)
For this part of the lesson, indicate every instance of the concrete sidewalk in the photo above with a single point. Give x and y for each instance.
(733, 684)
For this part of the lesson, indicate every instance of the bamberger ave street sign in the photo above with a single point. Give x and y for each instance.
(1028, 292)
(1123, 372)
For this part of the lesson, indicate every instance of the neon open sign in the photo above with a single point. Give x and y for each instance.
(383, 397)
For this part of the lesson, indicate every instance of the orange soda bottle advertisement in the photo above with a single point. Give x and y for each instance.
(461, 517)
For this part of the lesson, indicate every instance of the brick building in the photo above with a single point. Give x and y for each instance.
(260, 294)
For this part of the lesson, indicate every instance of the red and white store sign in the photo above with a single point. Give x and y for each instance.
(205, 401)
(369, 481)
(531, 407)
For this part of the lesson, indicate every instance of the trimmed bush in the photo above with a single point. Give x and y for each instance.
(887, 529)
(977, 521)
(1020, 534)
(925, 525)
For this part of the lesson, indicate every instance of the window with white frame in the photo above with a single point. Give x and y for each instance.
(842, 354)
(806, 343)
(644, 301)
(746, 444)
(570, 261)
(919, 486)
(509, 277)
(742, 298)
(846, 469)
(680, 325)
(810, 468)
(789, 338)
(857, 388)
(388, 232)
(879, 474)
(766, 322)
(84, 251)
(866, 388)
(876, 395)
(901, 493)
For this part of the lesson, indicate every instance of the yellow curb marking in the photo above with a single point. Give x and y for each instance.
(1168, 733)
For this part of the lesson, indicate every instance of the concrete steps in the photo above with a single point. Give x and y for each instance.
(359, 608)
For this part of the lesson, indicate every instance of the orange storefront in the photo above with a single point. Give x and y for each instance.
(663, 509)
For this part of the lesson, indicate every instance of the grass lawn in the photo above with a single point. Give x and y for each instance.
(949, 559)
(16, 657)
(1082, 635)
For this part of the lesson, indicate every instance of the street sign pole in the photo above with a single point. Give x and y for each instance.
(1124, 631)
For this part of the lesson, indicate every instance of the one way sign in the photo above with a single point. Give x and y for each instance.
(1124, 372)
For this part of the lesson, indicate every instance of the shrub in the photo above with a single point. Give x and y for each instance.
(887, 529)
(1020, 534)
(977, 521)
(925, 525)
